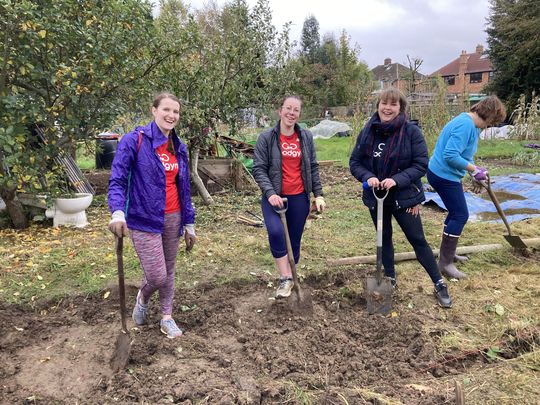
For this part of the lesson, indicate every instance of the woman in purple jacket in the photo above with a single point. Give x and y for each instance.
(149, 194)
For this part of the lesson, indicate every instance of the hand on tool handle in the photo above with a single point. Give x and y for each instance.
(479, 176)
(374, 182)
(479, 173)
(276, 201)
(118, 225)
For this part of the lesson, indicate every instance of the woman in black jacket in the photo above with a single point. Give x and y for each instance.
(285, 165)
(391, 154)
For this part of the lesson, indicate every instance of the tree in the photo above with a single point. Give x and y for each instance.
(236, 60)
(337, 78)
(70, 67)
(310, 40)
(413, 73)
(514, 48)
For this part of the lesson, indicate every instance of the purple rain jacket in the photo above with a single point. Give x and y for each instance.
(137, 183)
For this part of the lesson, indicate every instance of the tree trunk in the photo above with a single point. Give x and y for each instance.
(14, 208)
(194, 163)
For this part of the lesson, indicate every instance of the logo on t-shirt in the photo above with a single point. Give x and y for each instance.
(169, 167)
(377, 153)
(291, 149)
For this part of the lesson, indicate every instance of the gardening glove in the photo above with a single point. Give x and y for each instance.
(189, 236)
(320, 204)
(479, 174)
(118, 225)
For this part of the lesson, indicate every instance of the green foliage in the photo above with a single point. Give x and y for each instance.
(527, 158)
(70, 67)
(513, 48)
(336, 78)
(310, 42)
(233, 58)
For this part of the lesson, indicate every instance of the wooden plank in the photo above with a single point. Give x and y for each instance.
(398, 257)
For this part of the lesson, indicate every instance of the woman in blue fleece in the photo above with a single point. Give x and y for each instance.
(450, 162)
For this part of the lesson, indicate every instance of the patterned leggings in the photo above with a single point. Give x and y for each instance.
(157, 254)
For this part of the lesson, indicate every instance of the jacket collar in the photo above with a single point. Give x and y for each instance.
(297, 129)
(153, 132)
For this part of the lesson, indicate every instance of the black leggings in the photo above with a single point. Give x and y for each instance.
(412, 227)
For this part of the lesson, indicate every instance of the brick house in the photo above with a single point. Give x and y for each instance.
(468, 73)
(393, 74)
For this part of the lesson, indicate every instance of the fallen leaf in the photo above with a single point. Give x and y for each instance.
(106, 295)
(19, 329)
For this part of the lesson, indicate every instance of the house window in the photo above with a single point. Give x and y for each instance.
(450, 80)
(490, 76)
(476, 77)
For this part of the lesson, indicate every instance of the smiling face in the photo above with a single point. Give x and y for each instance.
(289, 113)
(388, 109)
(166, 115)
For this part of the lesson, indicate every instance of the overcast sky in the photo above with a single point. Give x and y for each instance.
(435, 31)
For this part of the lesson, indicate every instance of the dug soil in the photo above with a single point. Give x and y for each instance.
(240, 346)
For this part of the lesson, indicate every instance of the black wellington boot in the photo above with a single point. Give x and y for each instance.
(446, 257)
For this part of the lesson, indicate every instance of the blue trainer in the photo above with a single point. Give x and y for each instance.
(169, 328)
(140, 312)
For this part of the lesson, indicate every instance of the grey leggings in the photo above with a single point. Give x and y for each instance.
(157, 254)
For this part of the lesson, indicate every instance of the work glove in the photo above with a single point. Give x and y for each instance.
(189, 236)
(479, 173)
(118, 225)
(320, 204)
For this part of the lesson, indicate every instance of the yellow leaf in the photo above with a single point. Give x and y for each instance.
(394, 314)
(29, 263)
(106, 295)
(42, 33)
(88, 23)
(39, 277)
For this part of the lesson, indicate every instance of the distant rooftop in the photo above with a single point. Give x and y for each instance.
(475, 62)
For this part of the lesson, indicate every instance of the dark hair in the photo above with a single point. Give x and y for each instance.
(162, 96)
(491, 110)
(285, 98)
(395, 95)
(157, 101)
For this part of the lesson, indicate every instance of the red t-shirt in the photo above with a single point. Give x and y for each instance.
(291, 164)
(172, 199)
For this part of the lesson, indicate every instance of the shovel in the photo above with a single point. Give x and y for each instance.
(122, 349)
(379, 288)
(303, 302)
(515, 241)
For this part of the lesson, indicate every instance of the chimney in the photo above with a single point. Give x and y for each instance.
(463, 60)
(479, 49)
(387, 61)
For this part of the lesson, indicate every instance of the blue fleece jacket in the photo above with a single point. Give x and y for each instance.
(455, 148)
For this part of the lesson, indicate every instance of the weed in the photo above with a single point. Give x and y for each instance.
(526, 119)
